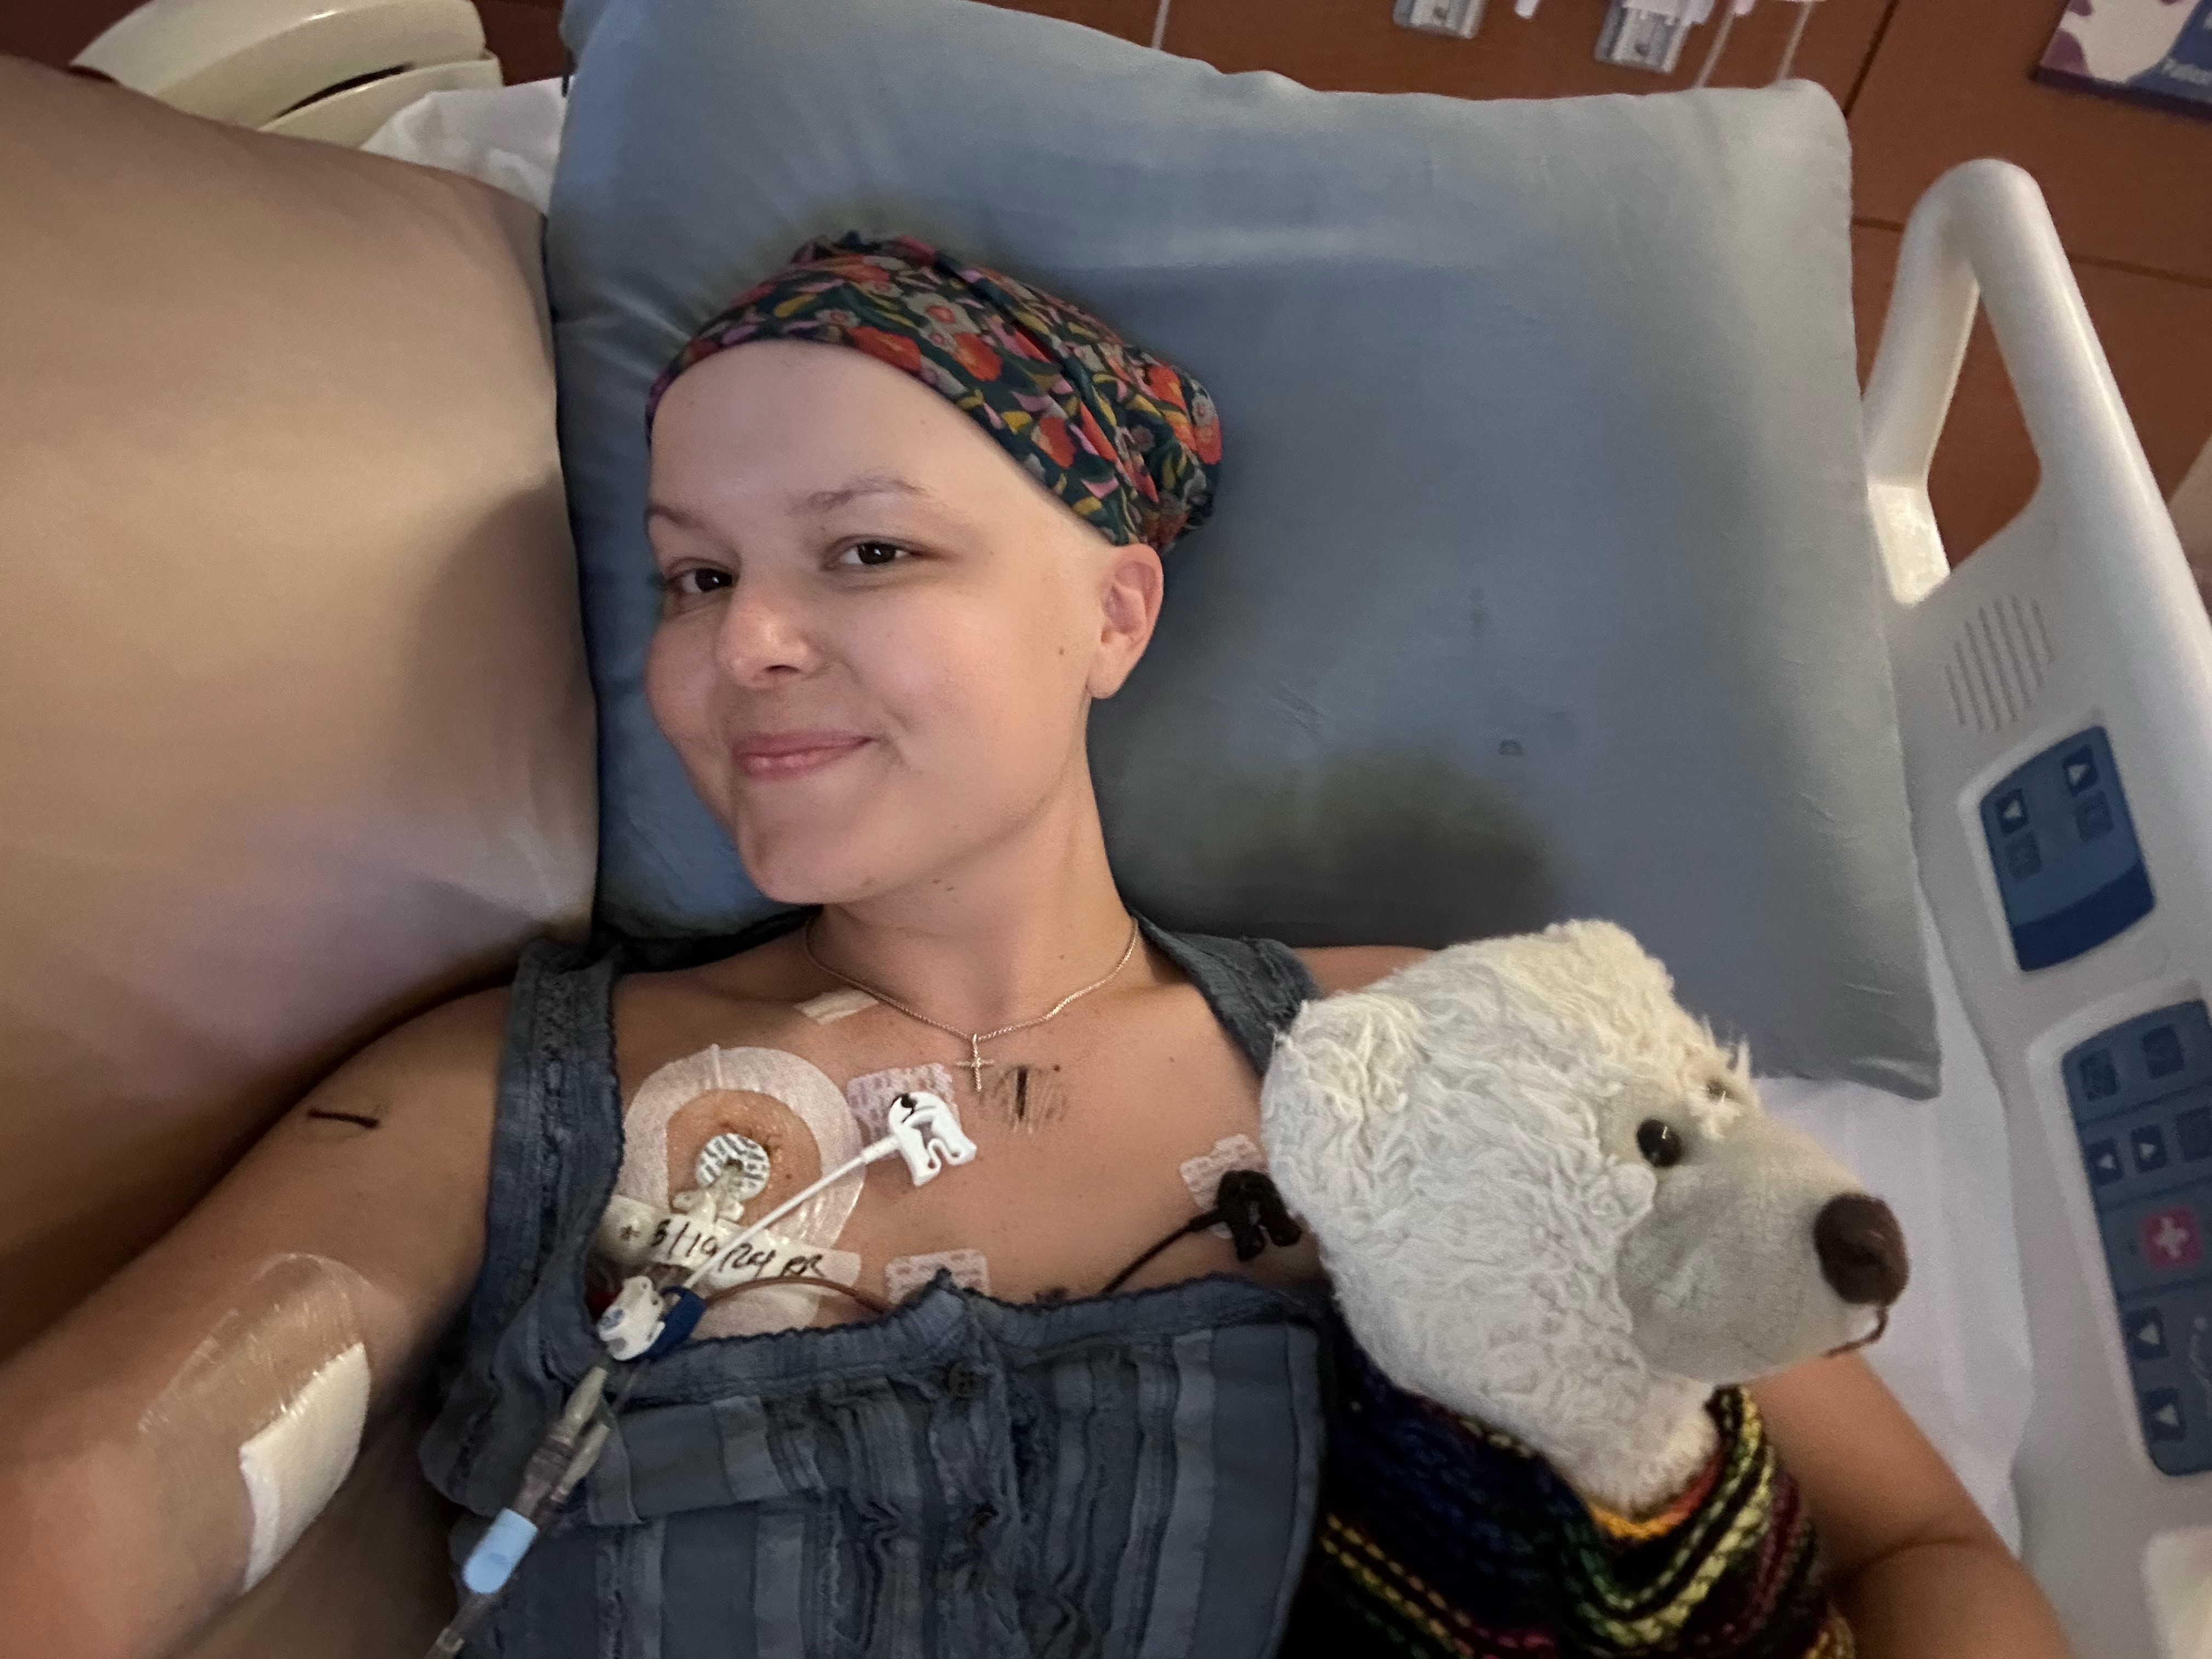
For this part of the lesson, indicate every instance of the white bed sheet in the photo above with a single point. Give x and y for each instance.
(1957, 1351)
(507, 136)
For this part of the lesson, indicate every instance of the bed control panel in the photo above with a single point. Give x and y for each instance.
(2063, 846)
(2141, 1096)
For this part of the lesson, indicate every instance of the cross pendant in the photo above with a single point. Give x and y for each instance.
(973, 1066)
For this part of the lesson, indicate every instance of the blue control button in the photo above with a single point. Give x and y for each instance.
(2193, 1129)
(2157, 1063)
(2161, 1415)
(2145, 1330)
(2147, 1142)
(2069, 873)
(2100, 1080)
(2103, 1158)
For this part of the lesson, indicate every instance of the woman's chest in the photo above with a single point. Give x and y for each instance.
(1095, 1138)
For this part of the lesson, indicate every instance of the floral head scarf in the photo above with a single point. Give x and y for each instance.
(1129, 442)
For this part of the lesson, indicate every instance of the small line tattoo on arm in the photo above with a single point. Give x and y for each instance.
(365, 1122)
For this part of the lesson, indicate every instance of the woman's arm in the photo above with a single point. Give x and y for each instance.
(356, 1221)
(1917, 1571)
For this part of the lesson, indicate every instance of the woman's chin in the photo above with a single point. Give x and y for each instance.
(792, 870)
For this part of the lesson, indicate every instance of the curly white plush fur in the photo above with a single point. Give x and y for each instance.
(1463, 1137)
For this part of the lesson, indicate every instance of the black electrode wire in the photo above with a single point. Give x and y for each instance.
(1246, 1203)
(1195, 1224)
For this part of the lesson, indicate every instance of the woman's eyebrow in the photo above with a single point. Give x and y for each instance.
(681, 517)
(873, 484)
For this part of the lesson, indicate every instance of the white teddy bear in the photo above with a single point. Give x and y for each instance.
(1551, 1201)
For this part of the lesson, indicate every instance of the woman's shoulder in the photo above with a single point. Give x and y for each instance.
(1349, 967)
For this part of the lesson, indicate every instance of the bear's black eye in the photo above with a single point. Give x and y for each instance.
(1661, 1147)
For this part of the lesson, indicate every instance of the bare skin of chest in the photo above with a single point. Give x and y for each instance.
(1080, 1132)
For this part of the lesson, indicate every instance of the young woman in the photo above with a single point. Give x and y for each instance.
(908, 518)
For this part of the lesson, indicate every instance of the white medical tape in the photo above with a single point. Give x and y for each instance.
(754, 1312)
(905, 1274)
(812, 1097)
(770, 1255)
(833, 1006)
(294, 1466)
(871, 1094)
(1202, 1174)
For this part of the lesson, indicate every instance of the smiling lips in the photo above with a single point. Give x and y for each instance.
(793, 754)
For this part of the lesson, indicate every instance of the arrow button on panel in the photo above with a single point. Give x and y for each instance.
(2146, 1334)
(2147, 1142)
(2080, 768)
(2012, 811)
(2103, 1158)
(2161, 1415)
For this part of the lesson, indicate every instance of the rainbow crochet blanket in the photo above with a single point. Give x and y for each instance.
(1440, 1539)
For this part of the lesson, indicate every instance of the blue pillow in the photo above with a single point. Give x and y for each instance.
(1541, 581)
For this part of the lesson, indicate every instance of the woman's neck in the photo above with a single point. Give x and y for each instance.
(998, 938)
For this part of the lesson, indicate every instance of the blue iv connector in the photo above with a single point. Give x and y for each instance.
(498, 1552)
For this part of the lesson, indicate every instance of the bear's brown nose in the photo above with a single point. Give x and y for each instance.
(1862, 1249)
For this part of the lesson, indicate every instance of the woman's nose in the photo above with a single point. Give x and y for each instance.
(761, 634)
(1862, 1249)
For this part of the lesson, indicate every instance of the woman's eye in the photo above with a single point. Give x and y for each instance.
(694, 582)
(1659, 1143)
(872, 555)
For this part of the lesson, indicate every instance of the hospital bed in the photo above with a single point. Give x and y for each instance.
(2055, 693)
(2055, 696)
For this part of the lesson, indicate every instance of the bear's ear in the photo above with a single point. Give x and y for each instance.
(1611, 949)
(1352, 1053)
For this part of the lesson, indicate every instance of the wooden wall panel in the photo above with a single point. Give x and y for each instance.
(55, 31)
(2157, 334)
(2128, 184)
(1928, 82)
(1352, 45)
(525, 35)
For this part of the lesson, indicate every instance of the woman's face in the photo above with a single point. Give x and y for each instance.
(880, 637)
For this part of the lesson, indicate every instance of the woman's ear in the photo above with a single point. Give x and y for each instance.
(1129, 607)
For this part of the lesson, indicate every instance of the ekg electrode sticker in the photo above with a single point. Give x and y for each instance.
(871, 1094)
(1202, 1174)
(904, 1275)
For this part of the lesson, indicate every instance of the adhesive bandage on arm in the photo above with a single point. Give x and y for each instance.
(255, 1432)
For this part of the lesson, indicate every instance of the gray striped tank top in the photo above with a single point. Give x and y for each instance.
(963, 1478)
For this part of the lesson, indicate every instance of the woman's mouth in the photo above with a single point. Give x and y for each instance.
(793, 754)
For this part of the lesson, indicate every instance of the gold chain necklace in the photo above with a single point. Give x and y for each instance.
(975, 1063)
